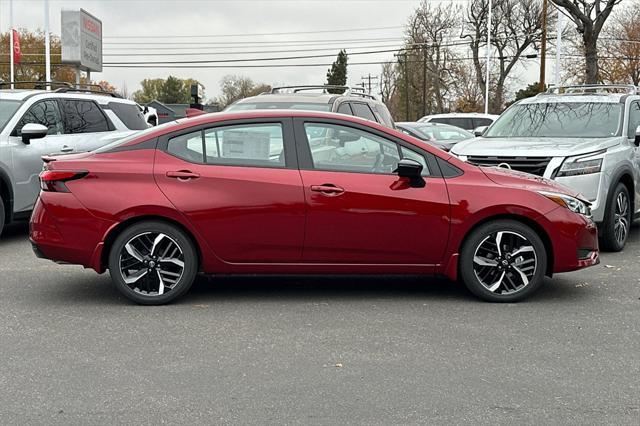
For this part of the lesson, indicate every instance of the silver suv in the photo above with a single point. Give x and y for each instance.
(34, 123)
(340, 99)
(585, 137)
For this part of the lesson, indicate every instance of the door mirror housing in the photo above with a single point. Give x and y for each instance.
(412, 170)
(145, 110)
(479, 131)
(33, 131)
(344, 137)
(637, 140)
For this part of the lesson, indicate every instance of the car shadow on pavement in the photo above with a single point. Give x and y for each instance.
(15, 232)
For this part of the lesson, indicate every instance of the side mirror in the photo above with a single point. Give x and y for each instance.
(145, 110)
(411, 169)
(344, 137)
(33, 131)
(479, 131)
(637, 140)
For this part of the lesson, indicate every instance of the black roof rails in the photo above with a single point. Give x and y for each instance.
(38, 83)
(81, 90)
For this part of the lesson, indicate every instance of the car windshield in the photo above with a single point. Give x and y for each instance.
(558, 119)
(308, 106)
(7, 109)
(136, 135)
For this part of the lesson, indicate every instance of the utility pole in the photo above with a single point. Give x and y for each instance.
(424, 81)
(543, 48)
(402, 58)
(369, 78)
(486, 81)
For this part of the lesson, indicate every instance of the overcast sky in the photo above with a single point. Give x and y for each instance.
(236, 22)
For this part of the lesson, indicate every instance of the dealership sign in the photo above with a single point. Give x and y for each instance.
(81, 40)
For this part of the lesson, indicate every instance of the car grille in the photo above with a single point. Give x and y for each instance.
(533, 165)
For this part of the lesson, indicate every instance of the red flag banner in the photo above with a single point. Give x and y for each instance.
(17, 54)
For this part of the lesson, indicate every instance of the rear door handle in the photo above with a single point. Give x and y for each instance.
(328, 189)
(66, 148)
(183, 175)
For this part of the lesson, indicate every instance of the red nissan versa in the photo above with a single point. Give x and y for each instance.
(299, 192)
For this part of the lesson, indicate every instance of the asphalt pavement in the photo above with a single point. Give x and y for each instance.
(317, 350)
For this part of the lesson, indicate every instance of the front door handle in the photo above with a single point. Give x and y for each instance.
(66, 148)
(183, 175)
(328, 189)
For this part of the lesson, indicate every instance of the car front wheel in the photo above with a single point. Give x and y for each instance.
(503, 261)
(153, 263)
(617, 223)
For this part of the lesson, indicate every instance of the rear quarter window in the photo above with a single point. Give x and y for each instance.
(129, 114)
(82, 116)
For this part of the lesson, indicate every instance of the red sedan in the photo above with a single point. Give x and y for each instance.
(298, 192)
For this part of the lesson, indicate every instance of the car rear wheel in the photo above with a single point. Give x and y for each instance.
(503, 261)
(617, 223)
(153, 263)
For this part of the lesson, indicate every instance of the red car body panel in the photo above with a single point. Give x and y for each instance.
(270, 220)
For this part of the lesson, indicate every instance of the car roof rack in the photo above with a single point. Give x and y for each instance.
(347, 90)
(38, 83)
(589, 89)
(99, 90)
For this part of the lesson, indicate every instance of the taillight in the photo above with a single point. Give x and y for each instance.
(54, 180)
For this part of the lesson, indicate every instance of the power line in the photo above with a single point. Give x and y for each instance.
(254, 34)
(249, 42)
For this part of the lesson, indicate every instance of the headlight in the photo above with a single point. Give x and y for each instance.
(572, 203)
(582, 165)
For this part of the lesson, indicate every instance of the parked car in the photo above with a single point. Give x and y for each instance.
(584, 137)
(302, 192)
(150, 114)
(465, 120)
(442, 136)
(340, 99)
(34, 123)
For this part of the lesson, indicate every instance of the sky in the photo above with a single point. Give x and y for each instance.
(225, 27)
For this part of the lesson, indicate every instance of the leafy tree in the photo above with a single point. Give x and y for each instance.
(589, 17)
(32, 65)
(337, 75)
(173, 90)
(529, 91)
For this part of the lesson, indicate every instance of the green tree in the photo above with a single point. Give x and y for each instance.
(173, 90)
(337, 75)
(529, 91)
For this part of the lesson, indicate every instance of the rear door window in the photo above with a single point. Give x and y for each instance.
(83, 116)
(129, 114)
(363, 111)
(259, 145)
(344, 108)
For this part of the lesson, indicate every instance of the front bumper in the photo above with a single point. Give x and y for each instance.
(574, 240)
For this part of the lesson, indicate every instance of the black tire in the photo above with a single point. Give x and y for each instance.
(146, 290)
(516, 238)
(2, 215)
(610, 237)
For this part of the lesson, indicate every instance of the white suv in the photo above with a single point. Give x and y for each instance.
(465, 120)
(585, 137)
(34, 123)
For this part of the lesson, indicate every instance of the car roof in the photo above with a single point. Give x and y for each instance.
(319, 98)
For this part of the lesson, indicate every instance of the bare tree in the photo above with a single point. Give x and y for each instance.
(622, 61)
(516, 26)
(235, 87)
(589, 17)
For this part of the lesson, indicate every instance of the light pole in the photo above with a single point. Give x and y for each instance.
(486, 84)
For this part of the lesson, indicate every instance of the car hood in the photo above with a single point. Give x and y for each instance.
(533, 147)
(516, 179)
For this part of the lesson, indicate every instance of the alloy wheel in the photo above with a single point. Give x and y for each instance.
(151, 263)
(621, 218)
(505, 262)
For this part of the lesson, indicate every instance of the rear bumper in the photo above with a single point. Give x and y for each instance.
(66, 232)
